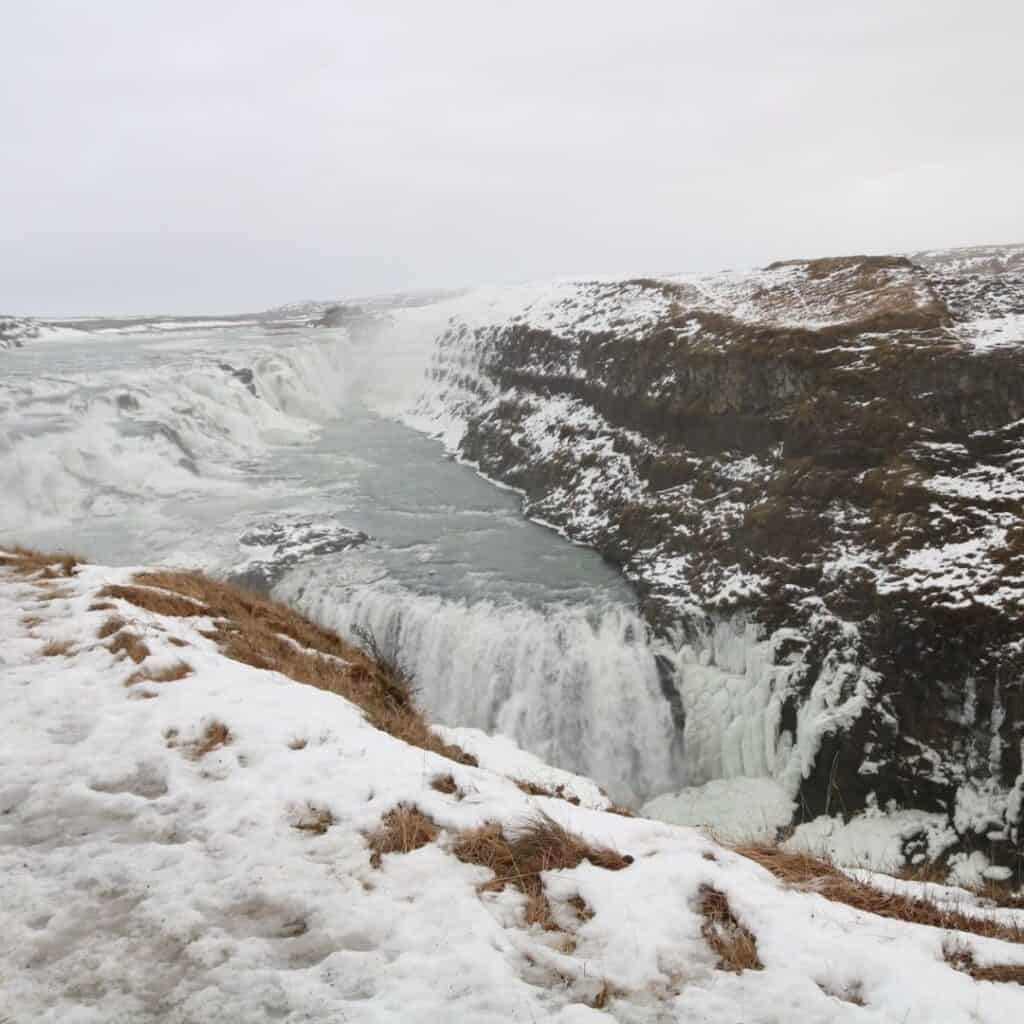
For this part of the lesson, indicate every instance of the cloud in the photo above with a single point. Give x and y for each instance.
(226, 155)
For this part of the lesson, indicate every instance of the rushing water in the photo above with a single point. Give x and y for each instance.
(260, 450)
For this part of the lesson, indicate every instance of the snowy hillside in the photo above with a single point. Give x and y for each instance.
(186, 837)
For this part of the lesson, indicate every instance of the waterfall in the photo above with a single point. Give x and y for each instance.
(578, 686)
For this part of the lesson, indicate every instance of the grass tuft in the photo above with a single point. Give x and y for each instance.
(314, 820)
(803, 871)
(558, 793)
(110, 627)
(57, 648)
(959, 955)
(215, 735)
(160, 602)
(171, 674)
(28, 562)
(131, 644)
(733, 943)
(444, 784)
(401, 830)
(520, 859)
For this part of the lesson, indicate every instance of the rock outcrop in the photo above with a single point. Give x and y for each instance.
(813, 476)
(15, 330)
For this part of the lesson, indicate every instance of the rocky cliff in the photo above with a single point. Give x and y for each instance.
(813, 475)
(15, 330)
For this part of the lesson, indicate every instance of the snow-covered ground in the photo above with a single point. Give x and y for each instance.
(144, 880)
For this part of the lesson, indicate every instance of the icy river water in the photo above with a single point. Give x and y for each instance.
(276, 453)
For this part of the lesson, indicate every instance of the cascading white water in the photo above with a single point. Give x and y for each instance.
(140, 447)
(577, 686)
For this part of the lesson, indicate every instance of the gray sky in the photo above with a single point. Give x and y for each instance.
(184, 156)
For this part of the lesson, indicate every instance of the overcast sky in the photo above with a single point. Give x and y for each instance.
(177, 155)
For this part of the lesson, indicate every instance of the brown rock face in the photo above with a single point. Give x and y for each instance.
(831, 448)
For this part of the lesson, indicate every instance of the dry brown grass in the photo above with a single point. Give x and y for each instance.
(959, 955)
(733, 943)
(57, 648)
(263, 633)
(581, 908)
(28, 562)
(102, 606)
(160, 602)
(624, 812)
(1001, 894)
(558, 793)
(604, 996)
(314, 819)
(110, 627)
(170, 674)
(520, 859)
(31, 621)
(803, 871)
(131, 644)
(401, 830)
(215, 735)
(177, 641)
(444, 784)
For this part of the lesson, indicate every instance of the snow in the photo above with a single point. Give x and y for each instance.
(993, 332)
(875, 839)
(140, 884)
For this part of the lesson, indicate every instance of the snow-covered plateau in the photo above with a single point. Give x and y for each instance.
(188, 838)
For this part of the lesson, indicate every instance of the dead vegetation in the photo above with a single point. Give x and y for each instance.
(57, 648)
(733, 943)
(803, 871)
(160, 602)
(131, 644)
(998, 894)
(520, 858)
(558, 793)
(169, 674)
(581, 908)
(314, 819)
(403, 829)
(215, 735)
(445, 784)
(27, 562)
(110, 627)
(959, 955)
(269, 635)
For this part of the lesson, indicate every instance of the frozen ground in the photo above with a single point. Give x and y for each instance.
(142, 880)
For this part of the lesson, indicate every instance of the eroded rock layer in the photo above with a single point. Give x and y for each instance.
(813, 476)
